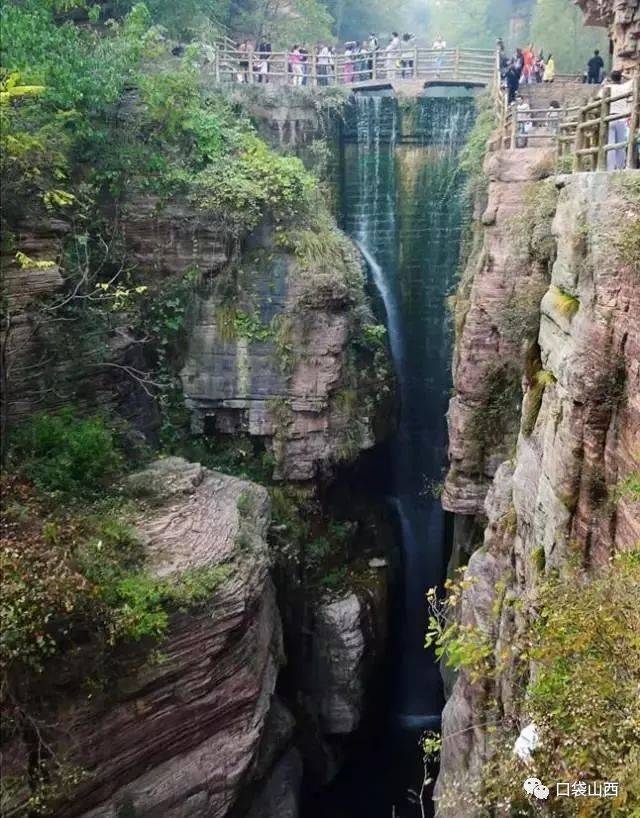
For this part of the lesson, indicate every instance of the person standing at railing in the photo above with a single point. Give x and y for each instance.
(264, 55)
(619, 128)
(324, 65)
(439, 45)
(512, 80)
(372, 48)
(304, 62)
(528, 60)
(406, 59)
(392, 54)
(553, 117)
(524, 121)
(243, 61)
(349, 51)
(295, 66)
(360, 62)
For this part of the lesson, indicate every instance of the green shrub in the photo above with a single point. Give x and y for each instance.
(583, 640)
(563, 302)
(533, 400)
(65, 452)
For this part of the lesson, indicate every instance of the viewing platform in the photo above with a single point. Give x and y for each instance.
(407, 71)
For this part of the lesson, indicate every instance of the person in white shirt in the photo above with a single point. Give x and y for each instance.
(392, 53)
(439, 45)
(372, 47)
(619, 128)
(524, 121)
(324, 62)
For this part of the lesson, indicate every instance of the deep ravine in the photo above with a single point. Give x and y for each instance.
(402, 204)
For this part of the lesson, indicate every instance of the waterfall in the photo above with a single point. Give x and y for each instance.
(402, 205)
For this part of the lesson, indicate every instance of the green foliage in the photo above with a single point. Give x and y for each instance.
(472, 24)
(300, 21)
(533, 400)
(628, 489)
(628, 243)
(458, 646)
(499, 412)
(240, 455)
(565, 303)
(83, 75)
(472, 155)
(65, 452)
(531, 229)
(249, 326)
(255, 181)
(583, 639)
(68, 573)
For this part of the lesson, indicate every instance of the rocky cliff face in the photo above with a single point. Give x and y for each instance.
(186, 734)
(277, 359)
(622, 19)
(496, 314)
(555, 498)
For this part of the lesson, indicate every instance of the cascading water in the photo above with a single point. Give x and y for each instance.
(402, 205)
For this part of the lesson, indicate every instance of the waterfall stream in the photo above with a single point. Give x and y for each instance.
(402, 204)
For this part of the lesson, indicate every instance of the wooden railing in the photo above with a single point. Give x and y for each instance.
(583, 134)
(464, 65)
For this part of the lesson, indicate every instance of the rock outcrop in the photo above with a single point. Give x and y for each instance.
(556, 499)
(276, 358)
(347, 630)
(622, 20)
(496, 312)
(181, 736)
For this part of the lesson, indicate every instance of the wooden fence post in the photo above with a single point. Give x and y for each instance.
(579, 142)
(634, 125)
(314, 67)
(514, 126)
(415, 62)
(603, 128)
(216, 64)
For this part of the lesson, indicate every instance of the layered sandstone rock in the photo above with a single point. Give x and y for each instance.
(277, 363)
(501, 288)
(579, 441)
(181, 736)
(53, 351)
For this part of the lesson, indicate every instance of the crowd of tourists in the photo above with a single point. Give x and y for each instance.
(528, 66)
(360, 61)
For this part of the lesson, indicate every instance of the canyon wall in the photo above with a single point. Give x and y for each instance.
(267, 343)
(538, 457)
(622, 20)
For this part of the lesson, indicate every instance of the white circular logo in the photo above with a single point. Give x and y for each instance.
(530, 784)
(541, 791)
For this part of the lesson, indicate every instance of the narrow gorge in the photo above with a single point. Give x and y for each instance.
(321, 426)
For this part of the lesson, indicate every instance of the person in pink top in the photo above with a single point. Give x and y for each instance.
(295, 64)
